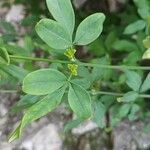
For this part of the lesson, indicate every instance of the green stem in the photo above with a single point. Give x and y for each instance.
(82, 63)
(144, 96)
(93, 93)
(8, 91)
(106, 93)
(114, 66)
(70, 77)
(38, 59)
(116, 94)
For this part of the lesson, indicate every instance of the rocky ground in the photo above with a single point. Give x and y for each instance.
(48, 134)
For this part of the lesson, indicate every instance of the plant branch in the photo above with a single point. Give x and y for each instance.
(38, 59)
(83, 63)
(91, 92)
(116, 94)
(8, 91)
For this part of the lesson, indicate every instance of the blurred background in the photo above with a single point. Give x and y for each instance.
(17, 21)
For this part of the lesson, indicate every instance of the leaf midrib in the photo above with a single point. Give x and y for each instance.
(78, 98)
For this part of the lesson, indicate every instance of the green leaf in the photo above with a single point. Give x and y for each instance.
(99, 113)
(30, 20)
(110, 39)
(144, 13)
(134, 109)
(108, 101)
(84, 79)
(124, 45)
(53, 34)
(133, 80)
(8, 38)
(124, 110)
(15, 134)
(79, 101)
(24, 103)
(146, 42)
(44, 106)
(135, 27)
(84, 82)
(8, 27)
(63, 12)
(38, 110)
(143, 8)
(142, 4)
(15, 71)
(114, 111)
(89, 29)
(72, 124)
(28, 44)
(16, 50)
(4, 56)
(146, 54)
(130, 96)
(101, 73)
(146, 84)
(132, 58)
(1, 41)
(97, 47)
(44, 81)
(147, 128)
(83, 72)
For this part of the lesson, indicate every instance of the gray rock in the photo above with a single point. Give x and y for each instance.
(44, 134)
(5, 146)
(15, 14)
(6, 101)
(130, 136)
(47, 138)
(84, 128)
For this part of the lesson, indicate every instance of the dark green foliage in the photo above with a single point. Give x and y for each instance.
(93, 66)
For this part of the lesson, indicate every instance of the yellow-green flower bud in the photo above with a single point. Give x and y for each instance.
(73, 68)
(70, 53)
